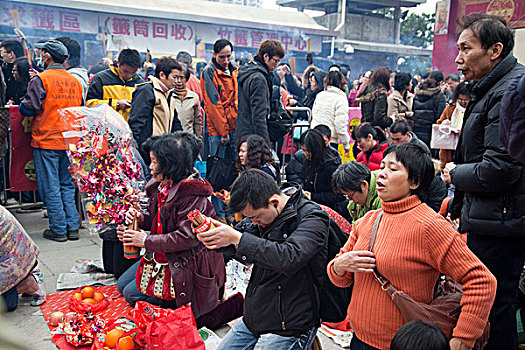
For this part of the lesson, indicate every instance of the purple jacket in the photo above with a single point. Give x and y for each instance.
(197, 272)
(512, 119)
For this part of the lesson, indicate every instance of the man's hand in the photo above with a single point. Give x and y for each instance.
(123, 104)
(131, 215)
(225, 138)
(355, 261)
(456, 344)
(219, 237)
(134, 238)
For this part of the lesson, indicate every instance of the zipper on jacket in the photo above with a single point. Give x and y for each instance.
(281, 308)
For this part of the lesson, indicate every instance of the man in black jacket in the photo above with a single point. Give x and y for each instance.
(255, 89)
(285, 237)
(490, 185)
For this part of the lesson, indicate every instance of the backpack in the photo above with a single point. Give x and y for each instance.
(279, 120)
(334, 301)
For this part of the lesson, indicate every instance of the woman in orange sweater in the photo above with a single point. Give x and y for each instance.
(413, 246)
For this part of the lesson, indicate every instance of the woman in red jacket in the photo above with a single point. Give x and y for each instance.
(372, 142)
(197, 273)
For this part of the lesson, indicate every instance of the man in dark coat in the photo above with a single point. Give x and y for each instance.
(285, 237)
(490, 185)
(255, 88)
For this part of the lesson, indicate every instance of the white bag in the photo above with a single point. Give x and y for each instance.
(444, 137)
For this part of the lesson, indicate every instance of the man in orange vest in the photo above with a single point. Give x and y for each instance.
(48, 92)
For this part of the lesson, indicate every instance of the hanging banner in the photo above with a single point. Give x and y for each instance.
(22, 168)
(245, 37)
(442, 14)
(49, 18)
(513, 11)
(159, 35)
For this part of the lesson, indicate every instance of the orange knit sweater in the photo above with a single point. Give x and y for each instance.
(413, 245)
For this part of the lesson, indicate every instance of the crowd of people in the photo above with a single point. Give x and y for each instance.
(408, 203)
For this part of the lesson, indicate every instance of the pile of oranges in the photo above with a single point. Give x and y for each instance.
(89, 296)
(124, 343)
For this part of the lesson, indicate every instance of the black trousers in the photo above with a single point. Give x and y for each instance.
(113, 258)
(504, 257)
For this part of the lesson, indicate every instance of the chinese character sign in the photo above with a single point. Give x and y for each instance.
(156, 34)
(49, 18)
(243, 37)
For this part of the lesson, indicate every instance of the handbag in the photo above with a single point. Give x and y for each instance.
(153, 275)
(444, 137)
(444, 309)
(200, 165)
(220, 172)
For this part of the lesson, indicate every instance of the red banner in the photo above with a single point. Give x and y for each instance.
(513, 11)
(22, 168)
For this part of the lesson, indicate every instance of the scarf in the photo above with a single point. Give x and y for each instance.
(181, 93)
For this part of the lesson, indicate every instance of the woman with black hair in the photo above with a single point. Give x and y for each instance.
(413, 246)
(318, 168)
(198, 274)
(428, 105)
(253, 152)
(453, 115)
(373, 98)
(400, 101)
(372, 142)
(21, 75)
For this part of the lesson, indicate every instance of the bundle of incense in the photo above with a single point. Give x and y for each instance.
(132, 252)
(200, 223)
(223, 195)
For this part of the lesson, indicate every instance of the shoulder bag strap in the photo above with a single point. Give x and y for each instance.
(385, 283)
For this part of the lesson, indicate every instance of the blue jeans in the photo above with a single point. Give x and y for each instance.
(11, 299)
(56, 189)
(240, 338)
(504, 257)
(358, 344)
(127, 286)
(215, 141)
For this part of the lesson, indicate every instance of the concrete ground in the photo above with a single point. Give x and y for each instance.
(56, 258)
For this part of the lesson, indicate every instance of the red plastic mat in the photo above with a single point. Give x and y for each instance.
(59, 301)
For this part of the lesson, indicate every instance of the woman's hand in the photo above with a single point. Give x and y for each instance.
(120, 232)
(456, 344)
(355, 261)
(130, 216)
(134, 238)
(446, 122)
(221, 236)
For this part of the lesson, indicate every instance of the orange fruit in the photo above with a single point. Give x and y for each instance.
(126, 343)
(89, 301)
(98, 296)
(112, 337)
(88, 292)
(77, 296)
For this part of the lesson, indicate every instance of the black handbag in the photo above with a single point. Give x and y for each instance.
(220, 172)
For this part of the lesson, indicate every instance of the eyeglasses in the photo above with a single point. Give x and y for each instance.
(350, 196)
(276, 60)
(463, 101)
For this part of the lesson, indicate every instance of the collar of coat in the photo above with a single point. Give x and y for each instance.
(371, 96)
(498, 72)
(336, 90)
(427, 91)
(186, 188)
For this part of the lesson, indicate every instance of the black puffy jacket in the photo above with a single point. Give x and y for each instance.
(428, 105)
(491, 184)
(280, 297)
(255, 88)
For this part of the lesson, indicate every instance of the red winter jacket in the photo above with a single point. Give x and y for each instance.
(374, 161)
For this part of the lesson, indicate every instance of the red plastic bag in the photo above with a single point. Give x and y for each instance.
(175, 331)
(166, 329)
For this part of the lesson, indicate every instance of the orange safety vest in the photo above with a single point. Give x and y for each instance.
(62, 90)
